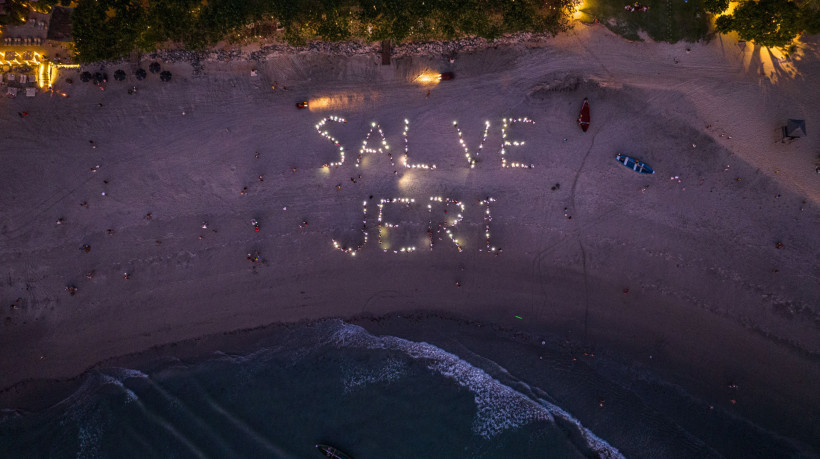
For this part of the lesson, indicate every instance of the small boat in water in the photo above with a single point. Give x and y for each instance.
(583, 117)
(332, 452)
(634, 164)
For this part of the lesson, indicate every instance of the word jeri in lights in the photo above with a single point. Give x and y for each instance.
(435, 229)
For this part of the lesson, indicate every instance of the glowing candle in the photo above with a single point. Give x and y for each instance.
(333, 140)
(505, 125)
(471, 158)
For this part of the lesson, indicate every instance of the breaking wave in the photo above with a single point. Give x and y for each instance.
(276, 399)
(499, 406)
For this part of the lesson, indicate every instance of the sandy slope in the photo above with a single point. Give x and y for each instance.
(697, 255)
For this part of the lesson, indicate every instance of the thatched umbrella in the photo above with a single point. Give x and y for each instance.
(154, 67)
(140, 74)
(165, 75)
(85, 77)
(119, 75)
(98, 78)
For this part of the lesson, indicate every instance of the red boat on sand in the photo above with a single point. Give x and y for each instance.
(583, 118)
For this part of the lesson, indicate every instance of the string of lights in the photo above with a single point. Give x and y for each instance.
(471, 158)
(353, 250)
(405, 160)
(505, 124)
(408, 202)
(488, 217)
(445, 225)
(327, 135)
(382, 149)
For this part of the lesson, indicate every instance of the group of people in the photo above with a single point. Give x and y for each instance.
(254, 257)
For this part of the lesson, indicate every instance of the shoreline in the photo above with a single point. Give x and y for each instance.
(684, 270)
(458, 334)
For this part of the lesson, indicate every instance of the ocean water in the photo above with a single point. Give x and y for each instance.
(330, 382)
(333, 382)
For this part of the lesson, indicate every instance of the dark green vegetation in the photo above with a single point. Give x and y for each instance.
(669, 21)
(16, 11)
(766, 22)
(771, 22)
(107, 29)
(715, 6)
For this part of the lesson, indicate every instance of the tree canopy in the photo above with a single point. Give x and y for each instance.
(773, 23)
(715, 6)
(108, 29)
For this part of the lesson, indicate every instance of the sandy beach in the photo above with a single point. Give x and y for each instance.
(706, 271)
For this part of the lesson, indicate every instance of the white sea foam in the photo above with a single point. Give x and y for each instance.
(358, 377)
(499, 407)
(117, 377)
(76, 408)
(604, 449)
(96, 380)
(89, 435)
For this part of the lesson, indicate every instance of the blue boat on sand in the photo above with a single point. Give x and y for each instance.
(634, 164)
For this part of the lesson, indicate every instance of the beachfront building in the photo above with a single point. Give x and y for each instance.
(30, 53)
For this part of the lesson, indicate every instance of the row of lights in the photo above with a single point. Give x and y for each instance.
(327, 135)
(407, 149)
(384, 224)
(352, 251)
(470, 159)
(515, 143)
(35, 59)
(446, 226)
(488, 217)
(384, 147)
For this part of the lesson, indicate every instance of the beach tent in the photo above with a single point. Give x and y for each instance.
(12, 92)
(794, 129)
(30, 92)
